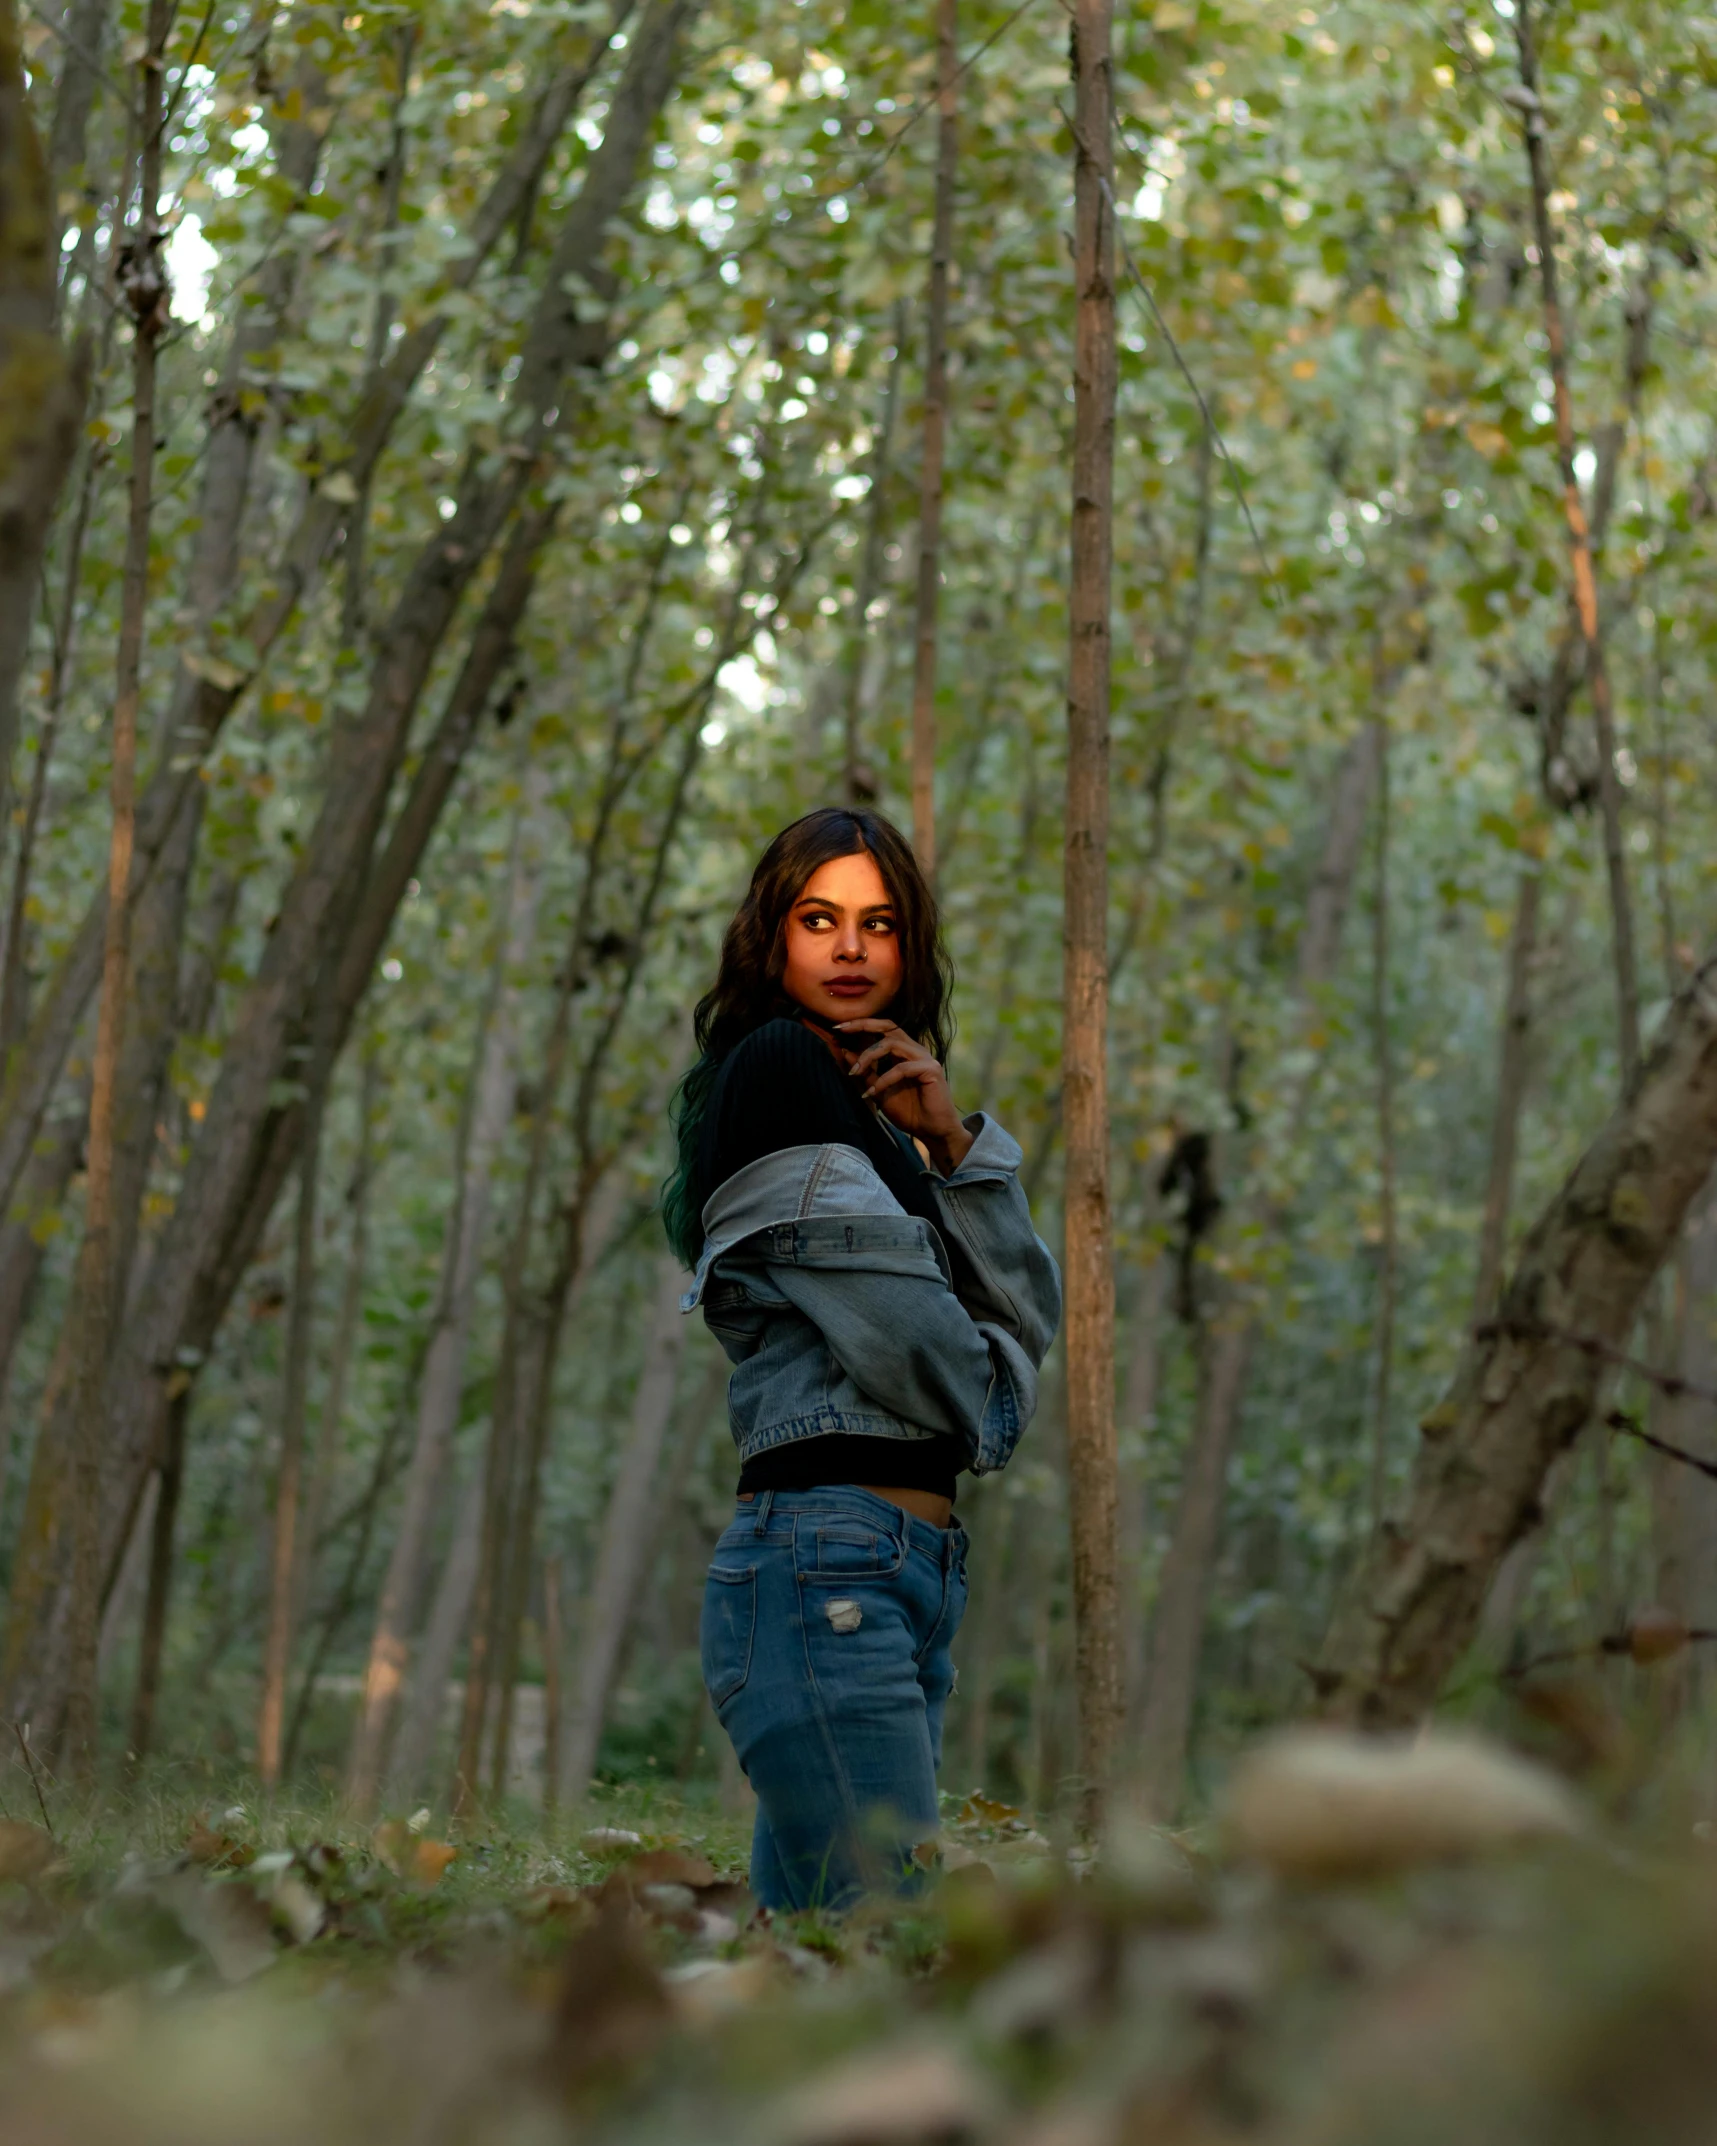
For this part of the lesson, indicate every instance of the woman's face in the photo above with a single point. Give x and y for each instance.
(843, 945)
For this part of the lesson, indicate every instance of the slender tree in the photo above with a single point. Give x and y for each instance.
(858, 776)
(1512, 1068)
(40, 394)
(294, 1409)
(491, 1094)
(924, 640)
(1580, 553)
(625, 1528)
(1093, 1474)
(1383, 1051)
(143, 284)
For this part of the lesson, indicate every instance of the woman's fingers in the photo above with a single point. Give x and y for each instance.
(869, 1057)
(895, 1046)
(894, 1078)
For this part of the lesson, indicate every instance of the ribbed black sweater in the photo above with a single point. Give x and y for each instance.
(781, 1088)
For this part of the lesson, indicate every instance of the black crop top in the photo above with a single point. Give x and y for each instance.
(781, 1088)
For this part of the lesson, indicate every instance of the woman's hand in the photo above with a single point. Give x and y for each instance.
(912, 1093)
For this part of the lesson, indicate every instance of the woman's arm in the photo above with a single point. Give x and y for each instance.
(904, 1338)
(1007, 1274)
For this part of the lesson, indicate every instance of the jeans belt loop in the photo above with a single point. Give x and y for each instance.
(763, 1505)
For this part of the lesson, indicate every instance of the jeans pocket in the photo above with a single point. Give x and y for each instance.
(728, 1630)
(845, 1550)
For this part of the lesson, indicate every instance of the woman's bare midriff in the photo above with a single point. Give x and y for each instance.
(921, 1504)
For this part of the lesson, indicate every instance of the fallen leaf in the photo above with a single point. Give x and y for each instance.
(888, 2098)
(25, 1851)
(657, 1866)
(979, 1809)
(1328, 1803)
(217, 1851)
(429, 1861)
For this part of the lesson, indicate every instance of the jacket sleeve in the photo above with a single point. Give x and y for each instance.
(901, 1335)
(1006, 1276)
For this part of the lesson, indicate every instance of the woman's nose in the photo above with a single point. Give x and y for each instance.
(852, 947)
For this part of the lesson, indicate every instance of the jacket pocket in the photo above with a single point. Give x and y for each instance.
(728, 1631)
(847, 1550)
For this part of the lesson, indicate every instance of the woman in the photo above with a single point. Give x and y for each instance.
(865, 1256)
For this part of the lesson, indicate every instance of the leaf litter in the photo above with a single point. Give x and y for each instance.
(1376, 1945)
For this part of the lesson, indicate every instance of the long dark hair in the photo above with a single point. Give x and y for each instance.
(747, 988)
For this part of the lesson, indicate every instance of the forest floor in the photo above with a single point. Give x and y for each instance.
(1479, 1959)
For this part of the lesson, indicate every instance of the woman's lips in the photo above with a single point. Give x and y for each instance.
(850, 986)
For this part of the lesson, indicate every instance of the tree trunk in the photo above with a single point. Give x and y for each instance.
(492, 1089)
(1177, 1629)
(1528, 1384)
(859, 782)
(1225, 1333)
(1138, 1418)
(1331, 892)
(553, 1643)
(84, 34)
(299, 1341)
(1383, 1053)
(41, 397)
(1580, 559)
(159, 912)
(1512, 1071)
(99, 1280)
(935, 433)
(426, 1691)
(13, 968)
(625, 1528)
(363, 1517)
(985, 1634)
(326, 1459)
(22, 1248)
(1090, 1285)
(586, 1234)
(1683, 1502)
(152, 1642)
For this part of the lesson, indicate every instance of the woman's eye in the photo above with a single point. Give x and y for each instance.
(880, 925)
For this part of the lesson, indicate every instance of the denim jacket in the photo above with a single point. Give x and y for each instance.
(842, 1312)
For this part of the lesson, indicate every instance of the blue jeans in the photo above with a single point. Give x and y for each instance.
(827, 1622)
